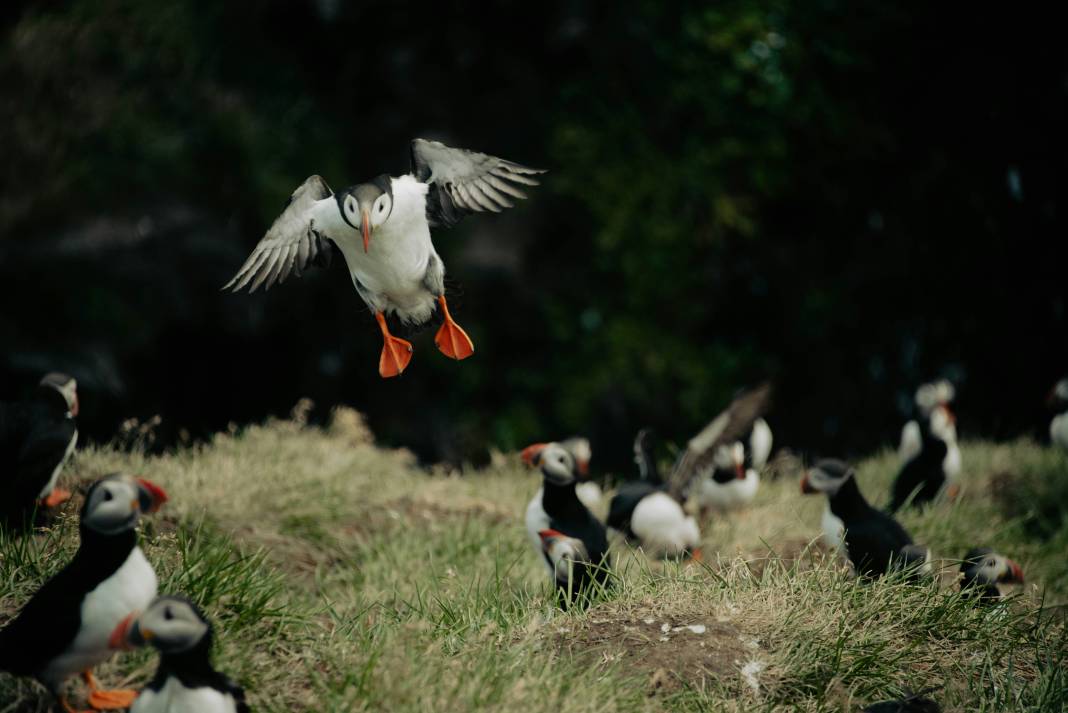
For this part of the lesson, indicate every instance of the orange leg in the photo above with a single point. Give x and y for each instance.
(396, 352)
(107, 700)
(58, 496)
(451, 339)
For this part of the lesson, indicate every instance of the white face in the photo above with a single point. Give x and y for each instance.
(381, 210)
(557, 464)
(827, 479)
(114, 506)
(730, 456)
(990, 568)
(564, 552)
(171, 625)
(943, 424)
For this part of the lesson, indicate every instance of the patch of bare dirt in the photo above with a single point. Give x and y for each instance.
(669, 651)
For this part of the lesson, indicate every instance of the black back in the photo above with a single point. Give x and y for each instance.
(48, 623)
(621, 509)
(911, 704)
(872, 537)
(569, 516)
(34, 435)
(193, 669)
(924, 471)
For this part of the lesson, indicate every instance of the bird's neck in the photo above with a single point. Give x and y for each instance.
(192, 668)
(561, 500)
(848, 500)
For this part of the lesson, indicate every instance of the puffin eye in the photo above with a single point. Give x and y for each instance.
(108, 496)
(990, 563)
(168, 614)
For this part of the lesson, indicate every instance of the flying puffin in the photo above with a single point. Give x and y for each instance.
(37, 436)
(647, 514)
(557, 507)
(931, 460)
(1058, 401)
(712, 472)
(982, 569)
(64, 628)
(872, 539)
(185, 680)
(398, 272)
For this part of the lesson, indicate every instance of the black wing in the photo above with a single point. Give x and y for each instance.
(463, 181)
(291, 243)
(44, 628)
(731, 425)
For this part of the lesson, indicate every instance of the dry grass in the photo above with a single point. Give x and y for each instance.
(343, 577)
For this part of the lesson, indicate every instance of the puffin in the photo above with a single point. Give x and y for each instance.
(185, 679)
(64, 628)
(570, 561)
(648, 515)
(872, 539)
(1058, 401)
(37, 437)
(911, 703)
(588, 491)
(556, 506)
(982, 570)
(382, 228)
(931, 460)
(713, 471)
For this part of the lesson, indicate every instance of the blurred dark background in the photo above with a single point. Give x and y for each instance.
(849, 197)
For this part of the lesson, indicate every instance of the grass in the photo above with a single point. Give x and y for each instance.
(342, 577)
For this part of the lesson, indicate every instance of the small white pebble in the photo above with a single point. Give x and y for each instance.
(665, 628)
(665, 638)
(649, 621)
(697, 628)
(750, 672)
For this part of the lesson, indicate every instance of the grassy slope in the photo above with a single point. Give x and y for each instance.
(342, 577)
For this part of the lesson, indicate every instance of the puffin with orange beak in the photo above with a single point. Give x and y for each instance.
(65, 627)
(382, 229)
(37, 438)
(556, 507)
(930, 456)
(983, 569)
(186, 680)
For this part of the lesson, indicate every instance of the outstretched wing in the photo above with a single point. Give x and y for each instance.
(291, 243)
(463, 181)
(729, 426)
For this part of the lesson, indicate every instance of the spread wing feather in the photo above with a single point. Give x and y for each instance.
(463, 182)
(729, 426)
(290, 245)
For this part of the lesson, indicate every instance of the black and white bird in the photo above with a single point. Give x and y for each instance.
(589, 492)
(928, 451)
(1058, 401)
(871, 539)
(65, 627)
(557, 507)
(382, 229)
(713, 471)
(185, 681)
(983, 569)
(37, 437)
(648, 515)
(930, 461)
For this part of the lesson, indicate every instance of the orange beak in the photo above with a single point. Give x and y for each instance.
(119, 639)
(74, 406)
(1016, 573)
(583, 467)
(950, 416)
(366, 230)
(806, 488)
(158, 494)
(530, 453)
(547, 535)
(739, 471)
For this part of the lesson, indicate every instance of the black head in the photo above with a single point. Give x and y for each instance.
(65, 385)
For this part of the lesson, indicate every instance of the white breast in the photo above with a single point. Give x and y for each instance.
(400, 250)
(537, 520)
(176, 698)
(591, 495)
(760, 442)
(1058, 430)
(732, 494)
(833, 530)
(951, 464)
(132, 588)
(664, 528)
(51, 485)
(911, 442)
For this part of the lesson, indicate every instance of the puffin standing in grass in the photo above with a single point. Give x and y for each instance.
(64, 628)
(983, 569)
(647, 514)
(37, 437)
(929, 454)
(557, 508)
(382, 228)
(872, 539)
(185, 681)
(1058, 401)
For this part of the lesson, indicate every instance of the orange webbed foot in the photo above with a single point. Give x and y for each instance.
(57, 497)
(451, 339)
(396, 352)
(111, 700)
